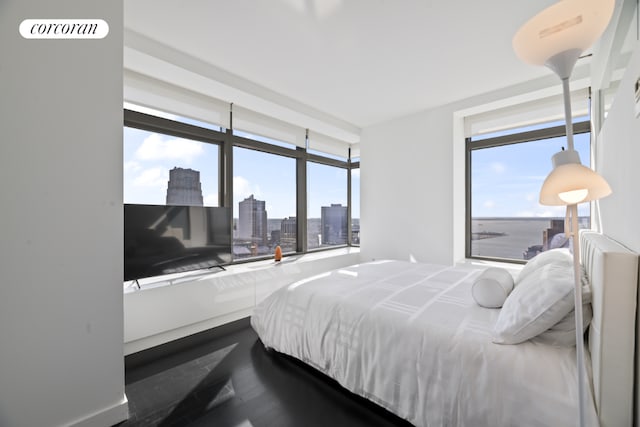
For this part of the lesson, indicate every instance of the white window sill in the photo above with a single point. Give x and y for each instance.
(234, 269)
(513, 268)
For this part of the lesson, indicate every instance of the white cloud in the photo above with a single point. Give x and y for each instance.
(132, 166)
(211, 200)
(498, 167)
(242, 188)
(155, 147)
(355, 173)
(489, 204)
(552, 211)
(154, 177)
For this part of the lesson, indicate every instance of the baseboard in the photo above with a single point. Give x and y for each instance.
(154, 353)
(107, 417)
(166, 337)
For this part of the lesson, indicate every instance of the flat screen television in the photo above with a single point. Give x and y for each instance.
(161, 239)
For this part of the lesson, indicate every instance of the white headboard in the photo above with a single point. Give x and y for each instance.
(613, 272)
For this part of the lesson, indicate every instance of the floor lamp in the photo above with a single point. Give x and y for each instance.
(556, 37)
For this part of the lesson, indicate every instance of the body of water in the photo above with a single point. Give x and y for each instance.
(512, 237)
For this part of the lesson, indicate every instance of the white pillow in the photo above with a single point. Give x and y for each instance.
(563, 333)
(541, 299)
(554, 256)
(491, 287)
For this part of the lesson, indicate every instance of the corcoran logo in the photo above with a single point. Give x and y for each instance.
(64, 29)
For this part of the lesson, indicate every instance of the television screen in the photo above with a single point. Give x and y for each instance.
(161, 239)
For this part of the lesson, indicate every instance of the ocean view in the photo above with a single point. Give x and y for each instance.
(513, 237)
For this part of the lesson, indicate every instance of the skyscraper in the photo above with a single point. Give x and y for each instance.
(333, 221)
(288, 232)
(252, 221)
(184, 187)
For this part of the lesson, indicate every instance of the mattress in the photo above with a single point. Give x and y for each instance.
(410, 338)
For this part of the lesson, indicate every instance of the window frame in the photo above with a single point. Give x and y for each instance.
(145, 122)
(331, 162)
(579, 127)
(266, 148)
(226, 140)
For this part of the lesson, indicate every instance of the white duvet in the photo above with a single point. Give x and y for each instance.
(410, 338)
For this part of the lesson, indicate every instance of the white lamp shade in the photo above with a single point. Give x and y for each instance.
(566, 25)
(573, 183)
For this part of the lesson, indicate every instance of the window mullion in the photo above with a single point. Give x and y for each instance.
(349, 219)
(467, 248)
(226, 172)
(301, 200)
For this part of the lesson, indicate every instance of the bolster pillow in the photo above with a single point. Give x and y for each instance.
(492, 287)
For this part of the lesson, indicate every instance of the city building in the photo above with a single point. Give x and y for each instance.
(333, 221)
(184, 187)
(397, 81)
(355, 232)
(252, 221)
(288, 232)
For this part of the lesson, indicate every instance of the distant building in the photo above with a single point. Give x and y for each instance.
(252, 221)
(288, 232)
(333, 221)
(275, 237)
(289, 227)
(184, 187)
(355, 233)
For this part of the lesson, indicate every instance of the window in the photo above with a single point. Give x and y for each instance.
(264, 203)
(279, 192)
(355, 206)
(504, 177)
(163, 169)
(327, 220)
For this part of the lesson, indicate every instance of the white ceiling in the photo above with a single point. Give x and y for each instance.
(359, 61)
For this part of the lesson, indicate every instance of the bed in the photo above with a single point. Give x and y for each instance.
(411, 338)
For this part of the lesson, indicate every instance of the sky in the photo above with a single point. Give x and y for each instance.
(506, 180)
(149, 156)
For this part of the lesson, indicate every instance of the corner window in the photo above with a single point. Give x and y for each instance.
(327, 216)
(355, 206)
(246, 189)
(264, 203)
(504, 177)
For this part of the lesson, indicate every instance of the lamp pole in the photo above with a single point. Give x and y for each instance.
(556, 37)
(562, 64)
(572, 211)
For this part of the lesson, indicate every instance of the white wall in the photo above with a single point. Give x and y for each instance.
(412, 174)
(61, 353)
(618, 159)
(406, 190)
(412, 177)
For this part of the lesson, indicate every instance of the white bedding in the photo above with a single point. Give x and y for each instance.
(410, 338)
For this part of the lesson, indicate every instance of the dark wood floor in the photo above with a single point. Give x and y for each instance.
(225, 377)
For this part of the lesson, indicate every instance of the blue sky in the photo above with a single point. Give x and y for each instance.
(507, 179)
(148, 157)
